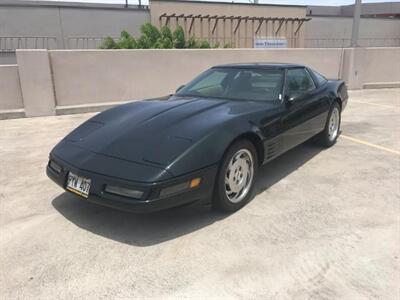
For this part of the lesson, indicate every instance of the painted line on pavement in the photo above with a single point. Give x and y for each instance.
(370, 144)
(377, 104)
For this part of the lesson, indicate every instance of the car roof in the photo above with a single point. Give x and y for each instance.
(260, 65)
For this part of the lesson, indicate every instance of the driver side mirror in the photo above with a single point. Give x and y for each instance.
(292, 97)
(179, 88)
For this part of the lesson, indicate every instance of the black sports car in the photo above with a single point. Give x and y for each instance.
(204, 143)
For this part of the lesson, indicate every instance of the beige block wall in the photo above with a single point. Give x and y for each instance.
(383, 65)
(10, 88)
(74, 78)
(36, 82)
(95, 76)
(365, 66)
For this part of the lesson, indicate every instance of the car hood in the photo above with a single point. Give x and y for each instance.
(156, 131)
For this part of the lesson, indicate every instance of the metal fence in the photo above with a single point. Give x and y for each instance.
(85, 42)
(11, 43)
(95, 42)
(346, 43)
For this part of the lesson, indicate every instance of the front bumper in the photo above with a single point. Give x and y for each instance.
(150, 201)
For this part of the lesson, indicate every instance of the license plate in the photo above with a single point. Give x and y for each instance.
(78, 185)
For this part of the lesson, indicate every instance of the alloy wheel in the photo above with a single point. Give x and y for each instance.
(239, 176)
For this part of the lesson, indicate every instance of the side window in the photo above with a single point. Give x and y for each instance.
(299, 81)
(320, 79)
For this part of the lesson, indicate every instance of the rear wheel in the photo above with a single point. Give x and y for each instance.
(236, 175)
(331, 131)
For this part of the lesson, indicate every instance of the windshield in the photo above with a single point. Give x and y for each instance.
(237, 84)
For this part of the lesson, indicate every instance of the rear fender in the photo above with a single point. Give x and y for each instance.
(339, 92)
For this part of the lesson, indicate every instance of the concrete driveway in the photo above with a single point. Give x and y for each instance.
(323, 225)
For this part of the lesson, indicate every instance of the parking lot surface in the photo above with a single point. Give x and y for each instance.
(324, 224)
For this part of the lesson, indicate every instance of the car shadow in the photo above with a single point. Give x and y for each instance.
(279, 168)
(144, 230)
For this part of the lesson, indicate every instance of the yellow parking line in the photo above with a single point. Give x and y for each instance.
(371, 145)
(377, 104)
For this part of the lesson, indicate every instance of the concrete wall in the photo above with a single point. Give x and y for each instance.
(102, 76)
(336, 32)
(7, 58)
(383, 65)
(35, 74)
(317, 10)
(48, 82)
(385, 8)
(373, 9)
(10, 89)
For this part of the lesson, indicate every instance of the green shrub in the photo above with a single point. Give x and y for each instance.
(151, 34)
(166, 39)
(204, 45)
(179, 38)
(108, 43)
(192, 43)
(228, 45)
(144, 42)
(166, 33)
(151, 37)
(126, 41)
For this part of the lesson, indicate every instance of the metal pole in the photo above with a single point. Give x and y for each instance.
(356, 24)
(126, 3)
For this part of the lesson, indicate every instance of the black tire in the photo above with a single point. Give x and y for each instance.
(221, 201)
(324, 138)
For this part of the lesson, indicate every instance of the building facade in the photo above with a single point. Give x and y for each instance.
(240, 25)
(65, 25)
(71, 25)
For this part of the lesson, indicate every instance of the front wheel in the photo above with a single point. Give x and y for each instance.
(331, 131)
(236, 176)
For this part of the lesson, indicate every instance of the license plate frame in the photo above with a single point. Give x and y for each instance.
(78, 184)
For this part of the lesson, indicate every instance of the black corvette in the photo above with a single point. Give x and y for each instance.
(204, 143)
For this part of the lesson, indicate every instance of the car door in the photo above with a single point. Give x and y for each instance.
(306, 108)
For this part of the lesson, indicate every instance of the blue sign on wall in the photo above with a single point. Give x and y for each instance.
(270, 43)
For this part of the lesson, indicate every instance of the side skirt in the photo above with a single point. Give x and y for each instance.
(279, 145)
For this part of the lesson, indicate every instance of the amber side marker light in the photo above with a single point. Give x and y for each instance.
(180, 187)
(195, 182)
